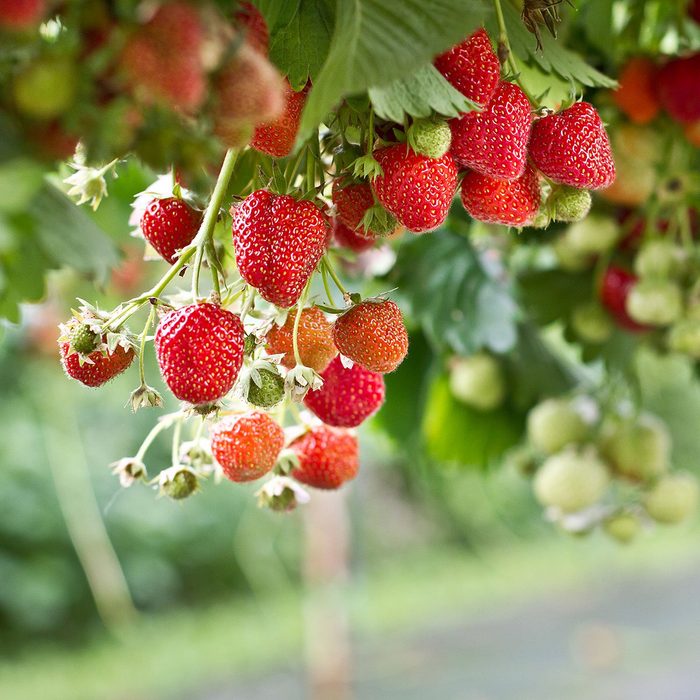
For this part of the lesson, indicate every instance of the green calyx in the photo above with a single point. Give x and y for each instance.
(268, 392)
(430, 137)
(83, 339)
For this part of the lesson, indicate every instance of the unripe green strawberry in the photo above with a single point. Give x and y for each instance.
(623, 527)
(655, 302)
(430, 137)
(684, 337)
(659, 258)
(673, 498)
(591, 323)
(638, 448)
(270, 392)
(594, 235)
(46, 88)
(83, 339)
(567, 204)
(569, 257)
(571, 480)
(478, 381)
(555, 423)
(178, 482)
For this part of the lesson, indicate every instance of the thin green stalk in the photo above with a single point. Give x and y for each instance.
(247, 305)
(334, 276)
(211, 259)
(326, 286)
(297, 319)
(156, 430)
(175, 453)
(142, 350)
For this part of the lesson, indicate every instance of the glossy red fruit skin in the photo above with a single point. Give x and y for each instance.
(250, 19)
(572, 148)
(472, 67)
(494, 141)
(615, 288)
(373, 335)
(345, 237)
(348, 396)
(247, 446)
(277, 137)
(328, 457)
(351, 203)
(17, 15)
(199, 349)
(416, 189)
(513, 203)
(678, 85)
(103, 368)
(278, 242)
(169, 225)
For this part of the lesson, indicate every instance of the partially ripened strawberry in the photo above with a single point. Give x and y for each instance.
(572, 148)
(277, 137)
(250, 20)
(18, 15)
(615, 288)
(472, 67)
(372, 334)
(162, 59)
(513, 203)
(169, 225)
(248, 90)
(328, 457)
(247, 446)
(416, 189)
(348, 396)
(86, 358)
(494, 141)
(278, 242)
(199, 349)
(345, 237)
(678, 86)
(636, 95)
(314, 339)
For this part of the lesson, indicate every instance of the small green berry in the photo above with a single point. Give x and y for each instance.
(180, 484)
(269, 393)
(555, 423)
(673, 498)
(567, 204)
(591, 323)
(684, 337)
(623, 527)
(655, 302)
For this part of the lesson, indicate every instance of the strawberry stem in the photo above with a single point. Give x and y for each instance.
(326, 286)
(163, 424)
(297, 319)
(144, 335)
(334, 276)
(175, 454)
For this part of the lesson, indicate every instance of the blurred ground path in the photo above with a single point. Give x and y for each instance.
(632, 640)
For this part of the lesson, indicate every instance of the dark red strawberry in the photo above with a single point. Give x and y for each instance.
(199, 349)
(277, 137)
(345, 237)
(572, 148)
(678, 85)
(278, 242)
(327, 457)
(17, 15)
(472, 67)
(348, 396)
(169, 225)
(513, 203)
(250, 20)
(416, 189)
(96, 367)
(247, 446)
(494, 142)
(615, 288)
(694, 10)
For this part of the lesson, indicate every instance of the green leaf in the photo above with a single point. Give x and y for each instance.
(459, 304)
(549, 295)
(300, 46)
(420, 94)
(457, 434)
(376, 41)
(69, 236)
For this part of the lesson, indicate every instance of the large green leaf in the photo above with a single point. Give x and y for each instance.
(376, 41)
(419, 95)
(458, 303)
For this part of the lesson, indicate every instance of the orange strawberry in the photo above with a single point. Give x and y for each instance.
(636, 96)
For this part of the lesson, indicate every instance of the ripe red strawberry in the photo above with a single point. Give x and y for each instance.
(251, 21)
(327, 457)
(169, 225)
(199, 349)
(416, 189)
(572, 148)
(17, 15)
(373, 335)
(348, 396)
(472, 67)
(96, 367)
(494, 141)
(162, 59)
(277, 137)
(248, 90)
(678, 86)
(247, 446)
(314, 339)
(345, 237)
(615, 288)
(278, 242)
(514, 203)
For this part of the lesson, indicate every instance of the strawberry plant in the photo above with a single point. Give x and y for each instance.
(330, 189)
